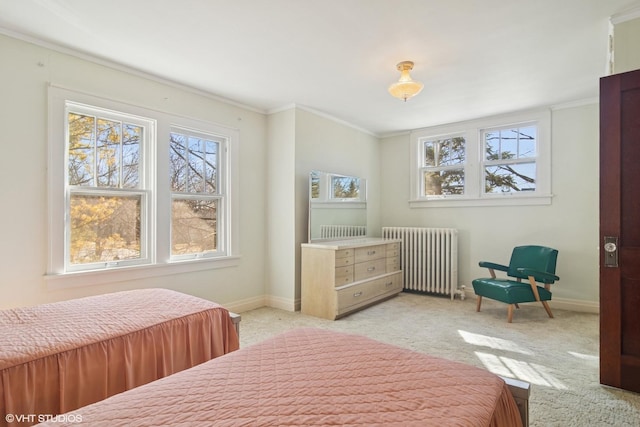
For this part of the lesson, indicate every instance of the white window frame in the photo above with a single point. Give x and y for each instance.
(158, 259)
(145, 191)
(220, 196)
(474, 194)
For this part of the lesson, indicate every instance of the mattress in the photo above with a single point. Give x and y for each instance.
(58, 357)
(313, 377)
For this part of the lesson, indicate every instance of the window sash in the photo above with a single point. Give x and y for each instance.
(144, 250)
(186, 229)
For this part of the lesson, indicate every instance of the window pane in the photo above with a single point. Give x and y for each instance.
(104, 229)
(510, 178)
(193, 226)
(178, 161)
(108, 153)
(131, 140)
(345, 187)
(510, 143)
(444, 152)
(195, 175)
(441, 183)
(211, 166)
(81, 149)
(527, 142)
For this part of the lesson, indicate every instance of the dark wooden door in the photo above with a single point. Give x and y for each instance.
(620, 230)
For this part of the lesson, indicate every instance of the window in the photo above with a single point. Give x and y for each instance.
(108, 198)
(481, 162)
(130, 187)
(509, 162)
(194, 172)
(443, 162)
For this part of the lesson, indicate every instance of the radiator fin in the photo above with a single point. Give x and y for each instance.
(428, 258)
(340, 231)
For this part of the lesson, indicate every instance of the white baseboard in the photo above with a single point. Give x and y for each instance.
(263, 301)
(246, 305)
(561, 303)
(575, 305)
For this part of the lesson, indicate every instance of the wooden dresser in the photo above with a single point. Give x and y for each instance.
(342, 276)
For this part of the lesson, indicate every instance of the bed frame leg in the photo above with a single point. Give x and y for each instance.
(521, 391)
(235, 319)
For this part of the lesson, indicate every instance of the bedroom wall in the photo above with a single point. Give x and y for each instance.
(626, 34)
(25, 72)
(326, 144)
(569, 224)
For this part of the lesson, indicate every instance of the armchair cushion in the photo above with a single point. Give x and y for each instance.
(508, 291)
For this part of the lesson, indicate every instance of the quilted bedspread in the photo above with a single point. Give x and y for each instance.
(61, 356)
(313, 377)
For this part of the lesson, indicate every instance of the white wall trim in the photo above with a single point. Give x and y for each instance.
(246, 304)
(321, 114)
(576, 103)
(627, 15)
(581, 306)
(126, 69)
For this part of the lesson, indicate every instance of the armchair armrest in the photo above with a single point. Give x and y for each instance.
(493, 266)
(540, 276)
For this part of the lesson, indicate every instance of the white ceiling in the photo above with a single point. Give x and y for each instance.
(475, 57)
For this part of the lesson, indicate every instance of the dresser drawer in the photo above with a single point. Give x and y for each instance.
(393, 247)
(370, 253)
(393, 263)
(357, 294)
(344, 257)
(365, 270)
(390, 283)
(344, 275)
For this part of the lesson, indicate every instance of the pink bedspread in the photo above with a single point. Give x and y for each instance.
(313, 377)
(58, 357)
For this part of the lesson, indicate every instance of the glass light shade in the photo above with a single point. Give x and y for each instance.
(405, 87)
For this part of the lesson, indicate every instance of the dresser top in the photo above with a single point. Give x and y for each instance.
(349, 243)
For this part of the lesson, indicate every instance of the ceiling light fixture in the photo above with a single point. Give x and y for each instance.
(406, 87)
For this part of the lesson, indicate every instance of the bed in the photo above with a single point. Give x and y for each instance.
(313, 377)
(58, 357)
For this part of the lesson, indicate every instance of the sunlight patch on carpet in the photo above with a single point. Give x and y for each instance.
(493, 342)
(519, 369)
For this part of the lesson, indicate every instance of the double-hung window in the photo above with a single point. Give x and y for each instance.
(108, 192)
(442, 171)
(502, 160)
(509, 159)
(136, 193)
(196, 197)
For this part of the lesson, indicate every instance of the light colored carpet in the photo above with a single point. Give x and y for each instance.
(559, 356)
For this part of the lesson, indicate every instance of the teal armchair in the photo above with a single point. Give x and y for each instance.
(535, 264)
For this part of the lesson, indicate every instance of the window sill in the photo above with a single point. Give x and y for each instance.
(506, 200)
(101, 277)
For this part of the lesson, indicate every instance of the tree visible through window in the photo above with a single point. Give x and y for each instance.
(103, 169)
(194, 175)
(443, 166)
(510, 159)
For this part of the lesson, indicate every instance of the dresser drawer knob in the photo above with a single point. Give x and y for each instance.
(357, 294)
(371, 252)
(371, 269)
(389, 284)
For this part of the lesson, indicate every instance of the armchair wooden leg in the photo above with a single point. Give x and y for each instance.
(546, 307)
(510, 313)
(479, 302)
